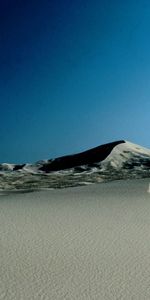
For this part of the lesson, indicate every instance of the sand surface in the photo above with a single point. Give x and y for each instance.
(90, 242)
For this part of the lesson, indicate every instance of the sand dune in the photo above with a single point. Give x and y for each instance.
(88, 242)
(111, 161)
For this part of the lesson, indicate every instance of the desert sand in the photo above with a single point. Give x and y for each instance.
(89, 242)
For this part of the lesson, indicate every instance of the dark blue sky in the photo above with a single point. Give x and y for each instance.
(73, 75)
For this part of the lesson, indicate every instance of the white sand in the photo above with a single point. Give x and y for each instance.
(90, 242)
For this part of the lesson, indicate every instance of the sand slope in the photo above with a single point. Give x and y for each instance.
(81, 243)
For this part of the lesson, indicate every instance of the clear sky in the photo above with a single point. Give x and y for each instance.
(73, 75)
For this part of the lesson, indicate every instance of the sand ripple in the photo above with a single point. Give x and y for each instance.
(82, 243)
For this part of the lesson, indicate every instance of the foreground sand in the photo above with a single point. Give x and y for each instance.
(80, 243)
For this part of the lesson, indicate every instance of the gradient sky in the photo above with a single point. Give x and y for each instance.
(73, 75)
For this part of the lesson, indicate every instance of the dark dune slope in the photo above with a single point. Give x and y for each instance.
(93, 155)
(18, 167)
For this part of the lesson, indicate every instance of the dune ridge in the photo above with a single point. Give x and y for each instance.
(112, 161)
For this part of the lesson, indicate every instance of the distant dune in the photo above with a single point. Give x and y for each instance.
(85, 158)
(111, 161)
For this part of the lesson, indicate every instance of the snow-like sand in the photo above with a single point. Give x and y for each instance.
(90, 242)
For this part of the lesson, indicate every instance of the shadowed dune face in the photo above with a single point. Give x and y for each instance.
(84, 158)
(18, 167)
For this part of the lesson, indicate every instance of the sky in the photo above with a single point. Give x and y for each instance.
(73, 75)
